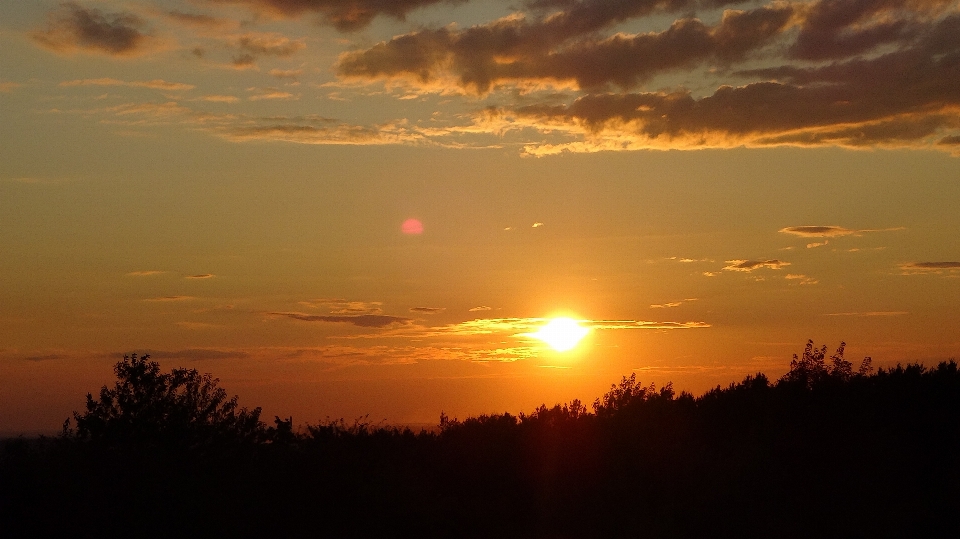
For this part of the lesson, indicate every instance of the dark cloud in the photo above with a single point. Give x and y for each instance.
(363, 320)
(911, 268)
(898, 99)
(843, 28)
(72, 26)
(345, 15)
(427, 310)
(891, 80)
(514, 49)
(196, 19)
(47, 357)
(201, 276)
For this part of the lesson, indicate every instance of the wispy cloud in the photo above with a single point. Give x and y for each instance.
(671, 304)
(751, 265)
(818, 231)
(480, 308)
(520, 326)
(343, 306)
(870, 313)
(163, 299)
(7, 86)
(145, 273)
(915, 268)
(197, 354)
(427, 310)
(201, 276)
(156, 84)
(361, 320)
(801, 279)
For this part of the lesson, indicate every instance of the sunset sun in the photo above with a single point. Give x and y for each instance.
(562, 334)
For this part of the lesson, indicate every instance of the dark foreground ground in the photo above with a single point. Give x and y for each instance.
(823, 452)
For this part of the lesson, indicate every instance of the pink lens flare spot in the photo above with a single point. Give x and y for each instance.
(412, 226)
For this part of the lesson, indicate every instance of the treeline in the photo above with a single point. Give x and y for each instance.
(825, 451)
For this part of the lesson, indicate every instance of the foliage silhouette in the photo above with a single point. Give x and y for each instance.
(180, 408)
(824, 451)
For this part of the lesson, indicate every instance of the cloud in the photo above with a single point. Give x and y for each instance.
(220, 98)
(201, 276)
(519, 326)
(145, 273)
(560, 48)
(870, 313)
(362, 320)
(915, 268)
(751, 265)
(271, 94)
(196, 19)
(196, 326)
(802, 279)
(672, 303)
(269, 44)
(197, 354)
(427, 310)
(342, 306)
(286, 73)
(345, 15)
(480, 308)
(155, 84)
(832, 29)
(72, 27)
(7, 87)
(45, 357)
(163, 299)
(817, 231)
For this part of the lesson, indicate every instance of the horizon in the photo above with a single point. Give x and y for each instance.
(350, 208)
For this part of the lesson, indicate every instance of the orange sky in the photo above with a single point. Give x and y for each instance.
(361, 207)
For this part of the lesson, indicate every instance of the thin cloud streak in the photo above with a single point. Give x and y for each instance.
(156, 84)
(362, 320)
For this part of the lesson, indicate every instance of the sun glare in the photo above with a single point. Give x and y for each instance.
(562, 334)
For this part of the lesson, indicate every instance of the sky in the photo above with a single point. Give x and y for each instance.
(349, 208)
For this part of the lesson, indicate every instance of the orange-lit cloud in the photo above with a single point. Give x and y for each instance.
(342, 306)
(145, 273)
(751, 265)
(164, 299)
(201, 276)
(517, 326)
(72, 27)
(800, 278)
(870, 313)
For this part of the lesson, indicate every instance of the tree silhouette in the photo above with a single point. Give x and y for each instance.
(812, 368)
(182, 408)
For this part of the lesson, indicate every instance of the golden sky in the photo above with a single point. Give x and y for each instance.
(349, 207)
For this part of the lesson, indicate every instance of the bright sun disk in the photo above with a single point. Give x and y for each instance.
(561, 334)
